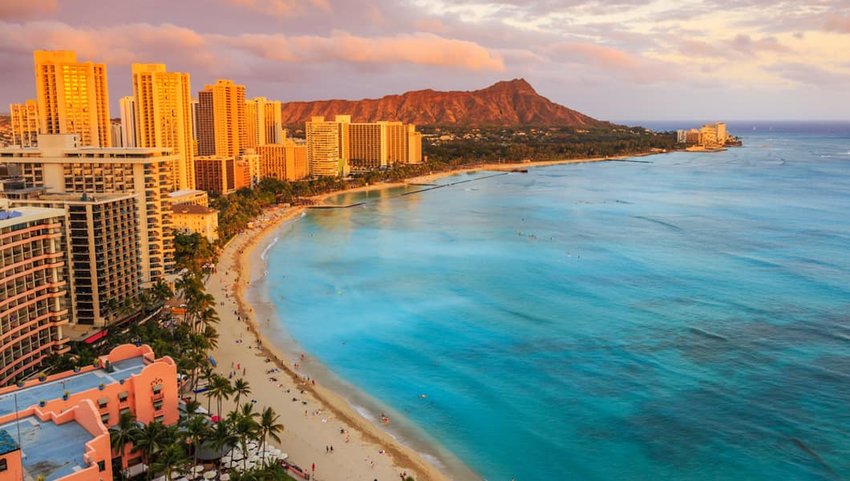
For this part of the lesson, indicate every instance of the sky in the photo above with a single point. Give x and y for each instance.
(611, 59)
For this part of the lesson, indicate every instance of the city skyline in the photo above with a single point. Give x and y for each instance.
(654, 61)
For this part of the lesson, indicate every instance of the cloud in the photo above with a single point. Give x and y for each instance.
(125, 44)
(810, 74)
(26, 8)
(419, 48)
(121, 44)
(746, 45)
(837, 23)
(628, 66)
(281, 8)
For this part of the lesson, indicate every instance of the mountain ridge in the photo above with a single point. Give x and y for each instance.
(508, 103)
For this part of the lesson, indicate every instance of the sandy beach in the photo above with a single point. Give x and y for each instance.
(315, 417)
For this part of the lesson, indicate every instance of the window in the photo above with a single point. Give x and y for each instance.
(159, 418)
(3, 465)
(101, 465)
(122, 396)
(157, 388)
(157, 405)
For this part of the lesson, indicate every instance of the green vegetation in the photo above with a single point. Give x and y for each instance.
(459, 147)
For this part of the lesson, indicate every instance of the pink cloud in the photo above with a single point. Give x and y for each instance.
(419, 48)
(609, 60)
(121, 44)
(837, 23)
(26, 8)
(281, 8)
(233, 54)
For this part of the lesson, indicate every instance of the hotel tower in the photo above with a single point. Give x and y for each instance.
(33, 289)
(221, 119)
(163, 117)
(72, 97)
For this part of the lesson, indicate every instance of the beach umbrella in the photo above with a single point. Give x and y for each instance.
(197, 469)
(225, 477)
(209, 475)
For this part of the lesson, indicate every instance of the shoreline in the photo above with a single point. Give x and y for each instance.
(237, 276)
(371, 451)
(493, 166)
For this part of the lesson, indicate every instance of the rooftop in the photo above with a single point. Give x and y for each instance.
(48, 449)
(184, 192)
(22, 398)
(19, 215)
(192, 209)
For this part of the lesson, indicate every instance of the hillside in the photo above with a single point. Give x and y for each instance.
(504, 104)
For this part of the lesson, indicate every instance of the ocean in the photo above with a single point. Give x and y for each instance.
(682, 317)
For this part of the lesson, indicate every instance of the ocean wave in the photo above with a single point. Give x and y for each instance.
(268, 247)
(363, 412)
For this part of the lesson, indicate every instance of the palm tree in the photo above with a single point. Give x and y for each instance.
(246, 427)
(152, 439)
(241, 388)
(269, 427)
(170, 458)
(220, 389)
(121, 434)
(222, 436)
(196, 430)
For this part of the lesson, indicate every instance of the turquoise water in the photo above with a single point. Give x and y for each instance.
(686, 318)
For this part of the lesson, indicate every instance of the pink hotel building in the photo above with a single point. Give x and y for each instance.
(58, 427)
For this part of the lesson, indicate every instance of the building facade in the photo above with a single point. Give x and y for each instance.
(221, 121)
(61, 165)
(33, 288)
(379, 145)
(221, 175)
(128, 379)
(128, 121)
(183, 197)
(24, 120)
(104, 259)
(164, 117)
(72, 97)
(198, 219)
(328, 146)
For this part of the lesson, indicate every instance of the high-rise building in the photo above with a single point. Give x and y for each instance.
(63, 166)
(72, 97)
(377, 145)
(255, 122)
(102, 240)
(414, 145)
(263, 122)
(195, 107)
(33, 289)
(328, 146)
(722, 133)
(275, 133)
(128, 122)
(221, 119)
(164, 117)
(366, 147)
(221, 175)
(24, 123)
(287, 161)
(117, 140)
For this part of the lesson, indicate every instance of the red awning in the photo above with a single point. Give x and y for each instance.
(96, 337)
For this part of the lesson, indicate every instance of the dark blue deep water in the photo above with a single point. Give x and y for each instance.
(686, 318)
